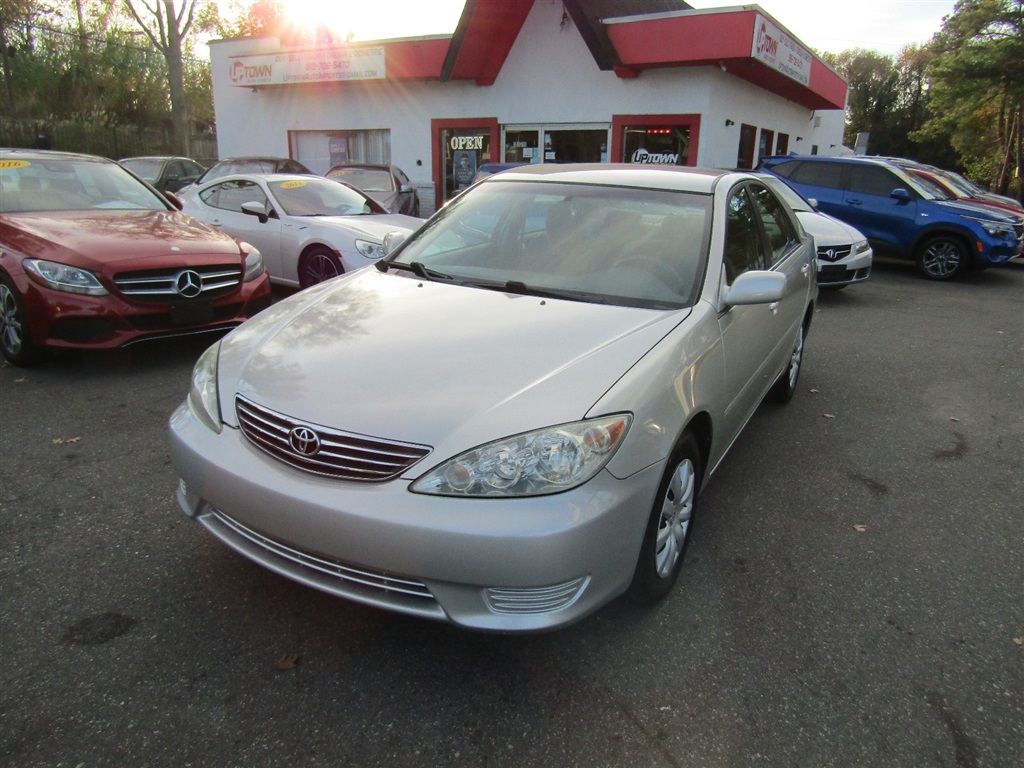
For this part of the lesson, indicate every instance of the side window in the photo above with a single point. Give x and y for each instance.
(819, 174)
(231, 194)
(742, 237)
(778, 226)
(178, 169)
(785, 169)
(210, 195)
(872, 180)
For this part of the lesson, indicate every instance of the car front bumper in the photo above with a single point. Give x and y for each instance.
(512, 565)
(59, 319)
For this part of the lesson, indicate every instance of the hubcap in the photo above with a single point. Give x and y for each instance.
(676, 510)
(319, 268)
(795, 360)
(10, 325)
(941, 259)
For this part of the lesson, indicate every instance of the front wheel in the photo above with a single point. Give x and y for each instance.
(319, 265)
(942, 257)
(15, 339)
(668, 527)
(784, 388)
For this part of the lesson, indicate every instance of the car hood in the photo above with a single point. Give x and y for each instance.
(91, 239)
(371, 226)
(828, 230)
(443, 365)
(977, 210)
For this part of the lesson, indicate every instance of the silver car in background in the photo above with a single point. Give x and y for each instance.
(508, 422)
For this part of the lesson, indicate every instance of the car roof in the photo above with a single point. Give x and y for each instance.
(670, 177)
(50, 154)
(382, 166)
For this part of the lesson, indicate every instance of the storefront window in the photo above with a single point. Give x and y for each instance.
(561, 145)
(522, 146)
(656, 144)
(465, 150)
(320, 150)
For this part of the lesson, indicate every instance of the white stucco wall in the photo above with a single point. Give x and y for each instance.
(548, 78)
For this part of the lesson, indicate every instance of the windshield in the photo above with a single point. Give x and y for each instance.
(936, 191)
(793, 198)
(366, 179)
(147, 169)
(319, 197)
(62, 184)
(616, 245)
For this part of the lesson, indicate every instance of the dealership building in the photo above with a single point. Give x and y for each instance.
(535, 81)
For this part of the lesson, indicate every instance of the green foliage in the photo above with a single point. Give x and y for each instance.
(977, 90)
(86, 63)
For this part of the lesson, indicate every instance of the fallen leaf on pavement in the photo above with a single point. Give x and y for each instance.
(288, 661)
(860, 528)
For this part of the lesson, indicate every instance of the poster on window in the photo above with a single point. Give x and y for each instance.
(465, 168)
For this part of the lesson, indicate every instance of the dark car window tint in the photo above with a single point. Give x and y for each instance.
(232, 194)
(776, 221)
(819, 174)
(742, 237)
(872, 180)
(785, 169)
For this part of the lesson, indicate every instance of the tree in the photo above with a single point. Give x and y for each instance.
(166, 30)
(977, 89)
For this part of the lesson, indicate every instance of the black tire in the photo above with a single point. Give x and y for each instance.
(784, 388)
(670, 524)
(15, 335)
(943, 257)
(317, 265)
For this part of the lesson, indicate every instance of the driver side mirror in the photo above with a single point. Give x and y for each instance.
(900, 195)
(756, 287)
(256, 209)
(392, 240)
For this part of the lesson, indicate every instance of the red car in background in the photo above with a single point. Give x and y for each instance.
(957, 188)
(91, 257)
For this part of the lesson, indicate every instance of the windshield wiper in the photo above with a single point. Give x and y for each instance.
(522, 289)
(416, 267)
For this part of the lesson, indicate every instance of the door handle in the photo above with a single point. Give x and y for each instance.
(854, 202)
(804, 269)
(215, 223)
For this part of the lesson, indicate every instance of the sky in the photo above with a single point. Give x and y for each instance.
(825, 25)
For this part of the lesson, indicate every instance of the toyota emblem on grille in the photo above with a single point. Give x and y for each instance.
(189, 284)
(304, 441)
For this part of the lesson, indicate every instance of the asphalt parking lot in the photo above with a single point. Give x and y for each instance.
(853, 596)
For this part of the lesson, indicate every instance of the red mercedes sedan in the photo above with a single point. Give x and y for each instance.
(92, 257)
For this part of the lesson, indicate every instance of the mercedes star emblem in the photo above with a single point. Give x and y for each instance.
(189, 283)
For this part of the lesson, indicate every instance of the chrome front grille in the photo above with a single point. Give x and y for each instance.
(371, 587)
(179, 282)
(325, 451)
(834, 252)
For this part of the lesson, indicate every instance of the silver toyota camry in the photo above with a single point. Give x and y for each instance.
(508, 421)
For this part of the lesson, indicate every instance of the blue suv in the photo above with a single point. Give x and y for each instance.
(901, 216)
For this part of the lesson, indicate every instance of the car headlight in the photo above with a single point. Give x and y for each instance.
(370, 249)
(61, 277)
(535, 463)
(994, 228)
(203, 399)
(253, 263)
(861, 246)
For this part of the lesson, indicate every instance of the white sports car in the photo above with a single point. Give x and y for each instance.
(308, 228)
